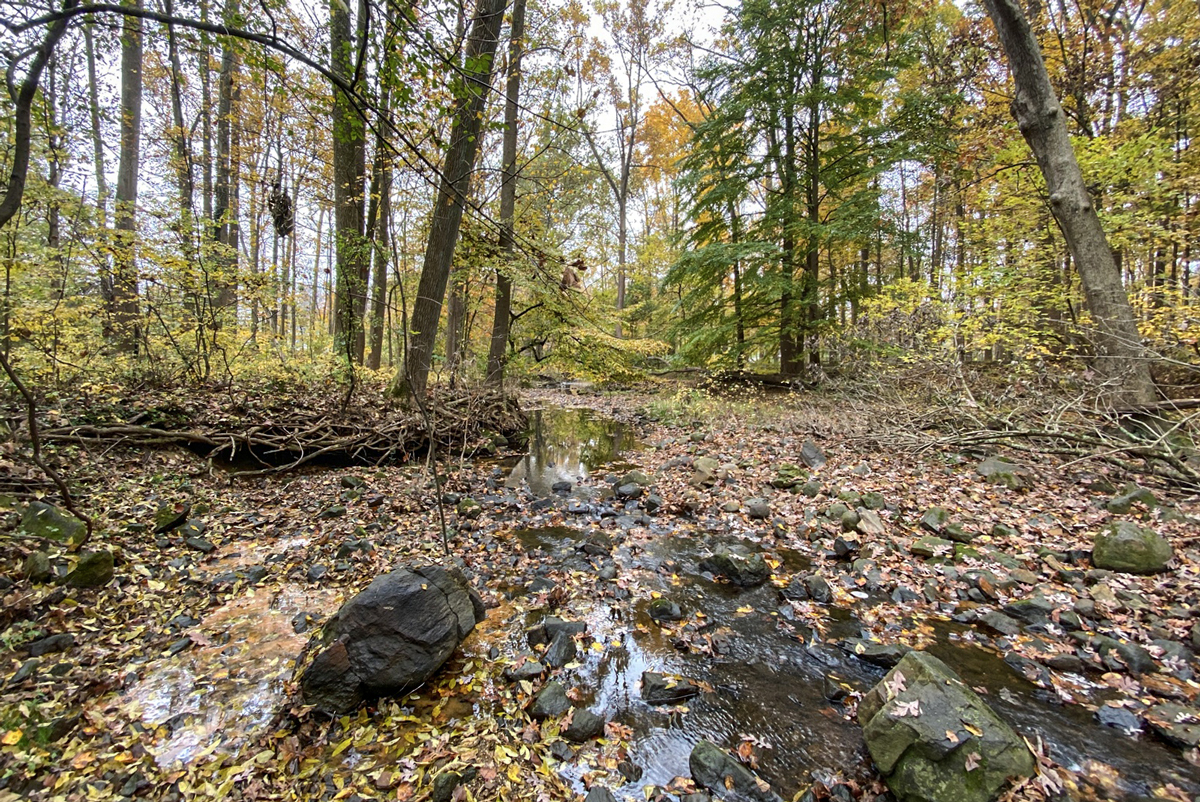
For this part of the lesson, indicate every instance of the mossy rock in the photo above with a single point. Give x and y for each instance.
(1131, 549)
(94, 570)
(47, 521)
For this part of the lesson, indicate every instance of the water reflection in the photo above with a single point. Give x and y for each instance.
(565, 445)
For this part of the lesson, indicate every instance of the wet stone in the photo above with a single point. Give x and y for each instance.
(444, 785)
(561, 650)
(562, 751)
(1119, 718)
(561, 488)
(550, 627)
(845, 548)
(317, 572)
(999, 622)
(301, 622)
(885, 655)
(599, 793)
(585, 725)
(664, 610)
(1176, 724)
(740, 571)
(661, 689)
(178, 646)
(182, 621)
(530, 669)
(713, 768)
(652, 503)
(551, 701)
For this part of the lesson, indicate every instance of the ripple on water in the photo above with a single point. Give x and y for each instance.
(230, 683)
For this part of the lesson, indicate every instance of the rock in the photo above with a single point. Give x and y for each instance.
(1175, 724)
(1001, 623)
(869, 523)
(905, 720)
(562, 751)
(1004, 530)
(1195, 636)
(391, 637)
(28, 669)
(352, 482)
(849, 521)
(1119, 655)
(652, 503)
(550, 627)
(45, 520)
(1000, 471)
(169, 516)
(758, 509)
(636, 478)
(704, 472)
(630, 490)
(845, 548)
(317, 572)
(1031, 610)
(200, 544)
(551, 702)
(597, 544)
(789, 476)
(94, 570)
(444, 785)
(955, 532)
(886, 655)
(193, 527)
(561, 488)
(585, 725)
(469, 508)
(599, 793)
(873, 501)
(528, 670)
(336, 511)
(664, 610)
(561, 650)
(716, 770)
(51, 644)
(37, 567)
(818, 589)
(934, 519)
(930, 546)
(741, 571)
(811, 456)
(811, 489)
(1126, 547)
(730, 506)
(1119, 718)
(660, 689)
(1131, 494)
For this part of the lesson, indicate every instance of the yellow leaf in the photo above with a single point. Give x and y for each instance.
(11, 737)
(342, 747)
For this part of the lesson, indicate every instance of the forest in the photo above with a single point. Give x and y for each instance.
(784, 399)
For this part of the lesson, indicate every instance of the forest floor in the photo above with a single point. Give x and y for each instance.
(176, 680)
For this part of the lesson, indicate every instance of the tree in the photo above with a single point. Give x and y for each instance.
(446, 218)
(1120, 356)
(508, 199)
(125, 281)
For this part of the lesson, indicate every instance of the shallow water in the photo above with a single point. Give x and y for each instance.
(230, 683)
(565, 445)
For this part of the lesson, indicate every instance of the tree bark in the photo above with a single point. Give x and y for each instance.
(1121, 359)
(452, 193)
(125, 283)
(224, 215)
(381, 199)
(349, 169)
(498, 348)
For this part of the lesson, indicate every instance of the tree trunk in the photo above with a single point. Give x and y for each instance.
(125, 284)
(381, 175)
(349, 169)
(1120, 356)
(508, 200)
(98, 159)
(225, 231)
(452, 191)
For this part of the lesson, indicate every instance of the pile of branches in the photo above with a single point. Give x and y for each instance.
(279, 432)
(1160, 440)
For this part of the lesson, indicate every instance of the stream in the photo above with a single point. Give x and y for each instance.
(767, 668)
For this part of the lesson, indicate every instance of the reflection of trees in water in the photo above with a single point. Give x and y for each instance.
(564, 445)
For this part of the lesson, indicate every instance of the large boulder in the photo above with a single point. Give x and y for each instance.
(47, 521)
(1126, 547)
(719, 772)
(934, 739)
(390, 638)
